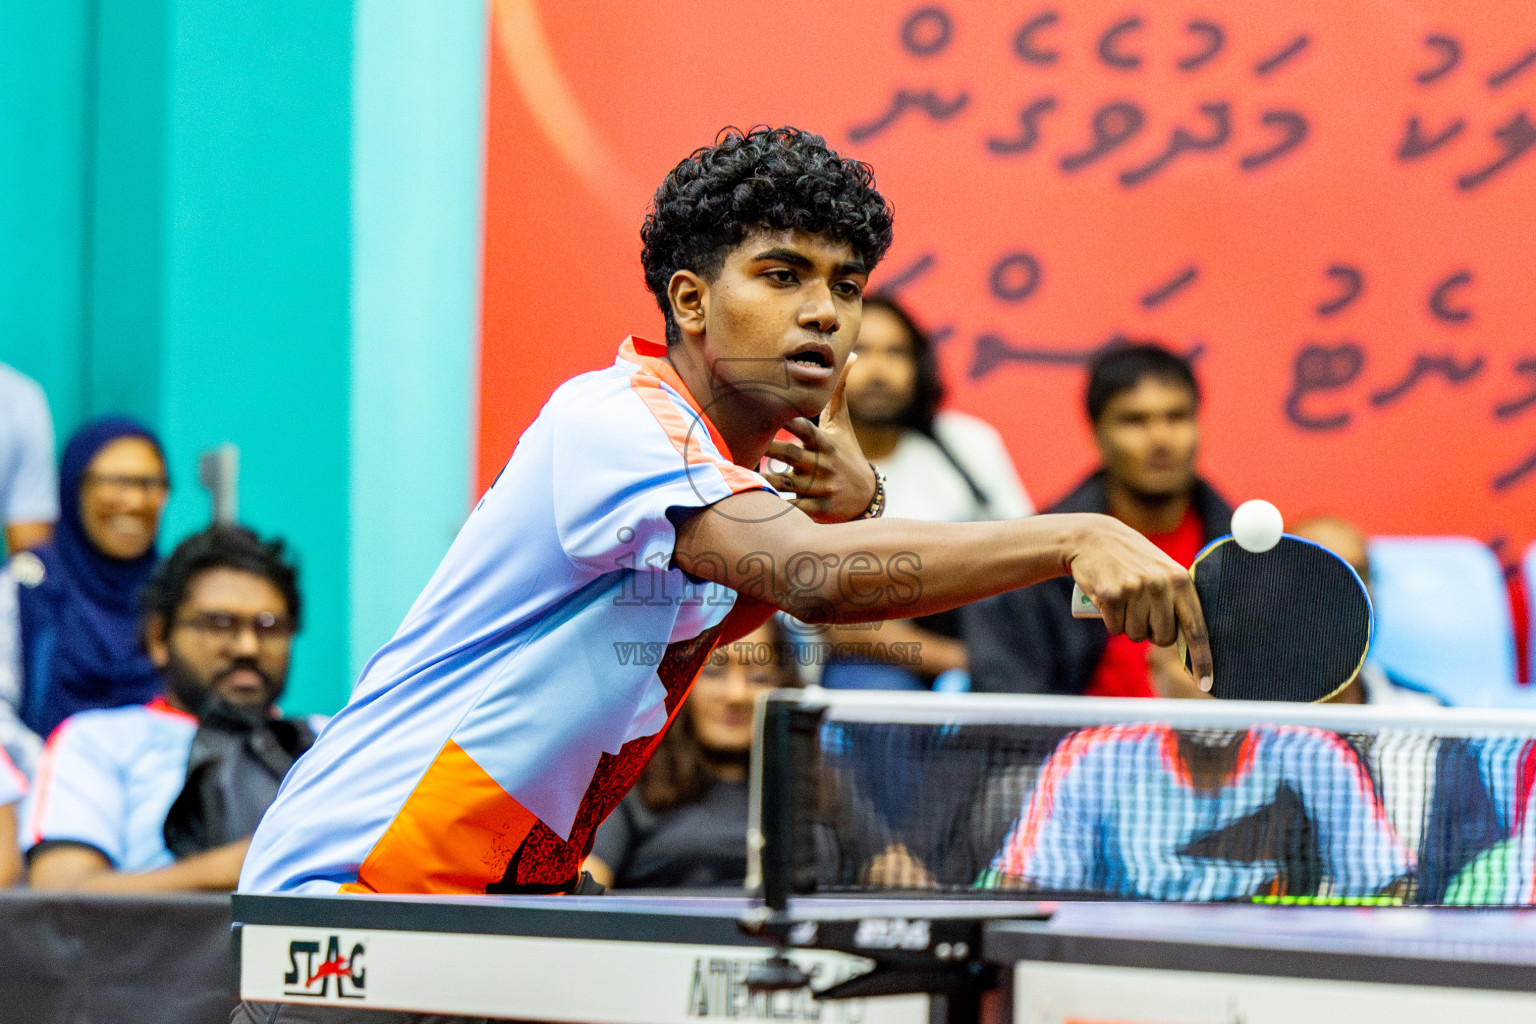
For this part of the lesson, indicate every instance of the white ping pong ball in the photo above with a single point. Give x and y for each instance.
(1257, 525)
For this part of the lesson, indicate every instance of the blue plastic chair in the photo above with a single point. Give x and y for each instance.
(1443, 620)
(955, 680)
(865, 675)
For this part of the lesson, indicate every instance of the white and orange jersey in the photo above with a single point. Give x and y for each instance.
(530, 681)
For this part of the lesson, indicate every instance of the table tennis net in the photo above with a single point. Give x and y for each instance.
(1144, 800)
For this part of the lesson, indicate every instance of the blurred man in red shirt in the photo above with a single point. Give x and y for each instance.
(1143, 402)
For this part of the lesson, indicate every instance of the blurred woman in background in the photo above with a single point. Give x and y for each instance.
(685, 824)
(78, 595)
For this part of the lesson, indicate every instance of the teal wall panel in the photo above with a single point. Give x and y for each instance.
(44, 83)
(125, 204)
(258, 222)
(418, 131)
(257, 325)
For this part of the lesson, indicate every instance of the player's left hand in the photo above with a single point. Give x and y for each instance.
(829, 474)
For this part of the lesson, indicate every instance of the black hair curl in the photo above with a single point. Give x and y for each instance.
(763, 179)
(218, 547)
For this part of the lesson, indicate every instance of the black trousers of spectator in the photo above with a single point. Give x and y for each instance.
(287, 1013)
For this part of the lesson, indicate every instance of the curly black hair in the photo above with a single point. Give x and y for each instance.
(764, 179)
(218, 547)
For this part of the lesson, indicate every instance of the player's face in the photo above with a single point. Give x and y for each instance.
(882, 381)
(121, 497)
(781, 318)
(231, 636)
(721, 703)
(1148, 437)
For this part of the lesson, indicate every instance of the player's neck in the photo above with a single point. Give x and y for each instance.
(745, 425)
(1146, 514)
(731, 772)
(743, 422)
(878, 440)
(1211, 768)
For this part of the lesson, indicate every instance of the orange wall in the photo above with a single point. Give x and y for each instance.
(591, 104)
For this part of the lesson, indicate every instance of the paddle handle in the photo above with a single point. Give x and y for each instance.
(1082, 608)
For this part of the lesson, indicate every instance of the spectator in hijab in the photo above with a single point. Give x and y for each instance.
(79, 594)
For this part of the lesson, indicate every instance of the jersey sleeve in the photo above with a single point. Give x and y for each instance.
(622, 462)
(34, 491)
(79, 795)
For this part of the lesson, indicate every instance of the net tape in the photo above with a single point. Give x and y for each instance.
(1054, 797)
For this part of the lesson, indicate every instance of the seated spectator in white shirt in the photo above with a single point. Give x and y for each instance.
(125, 797)
(29, 503)
(939, 466)
(13, 787)
(29, 508)
(20, 744)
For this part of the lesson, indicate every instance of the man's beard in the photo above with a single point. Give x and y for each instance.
(882, 411)
(1162, 496)
(197, 697)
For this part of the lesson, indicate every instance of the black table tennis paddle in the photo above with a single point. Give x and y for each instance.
(1292, 623)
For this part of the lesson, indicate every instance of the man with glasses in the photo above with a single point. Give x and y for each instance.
(122, 801)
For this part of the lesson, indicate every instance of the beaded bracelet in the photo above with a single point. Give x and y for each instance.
(876, 504)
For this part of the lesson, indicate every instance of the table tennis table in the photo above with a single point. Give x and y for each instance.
(645, 959)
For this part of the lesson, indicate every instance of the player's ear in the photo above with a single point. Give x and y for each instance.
(688, 294)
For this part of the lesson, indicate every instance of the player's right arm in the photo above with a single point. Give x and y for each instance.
(896, 568)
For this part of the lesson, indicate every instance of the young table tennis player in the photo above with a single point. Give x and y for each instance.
(535, 674)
